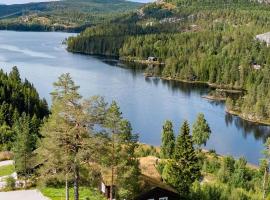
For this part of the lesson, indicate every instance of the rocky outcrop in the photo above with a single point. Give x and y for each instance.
(265, 37)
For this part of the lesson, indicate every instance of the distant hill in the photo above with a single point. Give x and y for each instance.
(62, 15)
(211, 41)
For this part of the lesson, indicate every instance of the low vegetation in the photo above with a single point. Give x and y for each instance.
(10, 183)
(59, 193)
(6, 170)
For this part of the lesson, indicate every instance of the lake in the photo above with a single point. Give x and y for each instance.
(146, 102)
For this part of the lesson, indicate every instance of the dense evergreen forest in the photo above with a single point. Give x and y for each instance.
(18, 100)
(67, 15)
(206, 41)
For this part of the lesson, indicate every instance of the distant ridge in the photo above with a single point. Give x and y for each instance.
(67, 15)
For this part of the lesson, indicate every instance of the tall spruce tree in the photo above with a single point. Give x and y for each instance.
(167, 140)
(201, 131)
(121, 154)
(23, 147)
(265, 168)
(113, 125)
(183, 169)
(128, 171)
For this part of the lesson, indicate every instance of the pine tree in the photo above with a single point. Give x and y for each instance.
(184, 169)
(14, 75)
(54, 151)
(200, 131)
(168, 140)
(68, 132)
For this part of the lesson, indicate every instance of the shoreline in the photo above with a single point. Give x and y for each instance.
(225, 88)
(213, 98)
(238, 114)
(140, 61)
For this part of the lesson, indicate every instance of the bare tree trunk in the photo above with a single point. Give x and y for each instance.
(265, 181)
(76, 169)
(25, 171)
(67, 188)
(112, 177)
(112, 180)
(76, 182)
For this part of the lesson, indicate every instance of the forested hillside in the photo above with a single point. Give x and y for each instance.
(19, 101)
(67, 15)
(206, 41)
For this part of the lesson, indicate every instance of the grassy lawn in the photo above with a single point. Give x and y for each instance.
(59, 193)
(6, 170)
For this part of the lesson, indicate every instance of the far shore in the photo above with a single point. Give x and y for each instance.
(262, 122)
(214, 98)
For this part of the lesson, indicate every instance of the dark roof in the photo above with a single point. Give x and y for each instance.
(156, 193)
(150, 183)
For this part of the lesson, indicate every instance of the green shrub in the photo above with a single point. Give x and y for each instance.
(160, 166)
(226, 170)
(238, 194)
(211, 165)
(10, 183)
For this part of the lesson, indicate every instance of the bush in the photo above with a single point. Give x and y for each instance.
(238, 194)
(160, 166)
(144, 151)
(10, 183)
(212, 151)
(211, 165)
(226, 170)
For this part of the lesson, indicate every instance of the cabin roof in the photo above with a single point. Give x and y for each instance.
(158, 192)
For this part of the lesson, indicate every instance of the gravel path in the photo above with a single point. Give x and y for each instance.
(7, 162)
(22, 195)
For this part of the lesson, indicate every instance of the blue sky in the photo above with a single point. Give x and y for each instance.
(27, 1)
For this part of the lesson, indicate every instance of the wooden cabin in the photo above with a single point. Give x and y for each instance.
(152, 186)
(105, 189)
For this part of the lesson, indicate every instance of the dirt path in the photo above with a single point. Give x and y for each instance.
(7, 162)
(22, 195)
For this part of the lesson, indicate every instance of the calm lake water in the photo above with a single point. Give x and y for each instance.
(146, 102)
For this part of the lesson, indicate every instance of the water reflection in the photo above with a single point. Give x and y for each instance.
(172, 85)
(260, 132)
